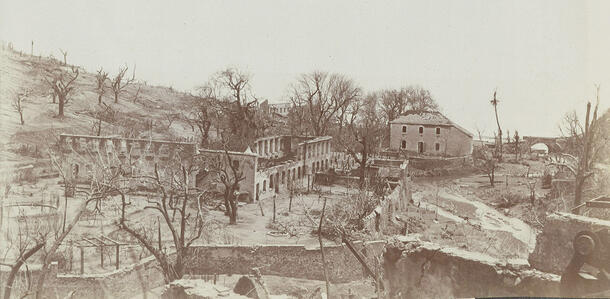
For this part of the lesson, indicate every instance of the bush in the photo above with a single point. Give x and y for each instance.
(510, 199)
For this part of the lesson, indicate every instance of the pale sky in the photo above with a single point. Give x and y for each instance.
(544, 57)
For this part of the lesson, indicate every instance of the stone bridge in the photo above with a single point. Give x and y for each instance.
(553, 143)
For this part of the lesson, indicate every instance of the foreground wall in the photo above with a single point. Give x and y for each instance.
(284, 260)
(123, 283)
(554, 245)
(416, 269)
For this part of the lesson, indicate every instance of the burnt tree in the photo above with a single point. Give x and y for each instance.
(63, 84)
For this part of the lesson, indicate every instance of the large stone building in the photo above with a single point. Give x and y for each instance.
(430, 134)
(269, 165)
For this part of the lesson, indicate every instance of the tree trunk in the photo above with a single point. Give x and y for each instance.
(227, 205)
(15, 269)
(21, 117)
(578, 194)
(46, 261)
(363, 164)
(99, 99)
(62, 102)
(116, 97)
(326, 278)
(492, 177)
(233, 214)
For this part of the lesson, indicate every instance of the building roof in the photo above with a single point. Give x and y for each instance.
(433, 118)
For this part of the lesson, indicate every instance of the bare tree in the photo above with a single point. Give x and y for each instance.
(101, 78)
(18, 103)
(486, 162)
(119, 83)
(322, 95)
(108, 114)
(233, 104)
(362, 138)
(516, 139)
(494, 103)
(585, 145)
(172, 190)
(63, 84)
(27, 242)
(200, 115)
(297, 119)
(65, 54)
(135, 97)
(326, 278)
(103, 180)
(230, 173)
(396, 102)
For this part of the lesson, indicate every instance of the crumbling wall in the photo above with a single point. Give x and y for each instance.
(377, 221)
(123, 283)
(554, 245)
(416, 269)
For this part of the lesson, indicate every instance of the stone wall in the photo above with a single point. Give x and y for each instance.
(416, 269)
(377, 222)
(554, 245)
(295, 261)
(123, 283)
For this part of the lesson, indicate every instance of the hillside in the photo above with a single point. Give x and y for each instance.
(42, 126)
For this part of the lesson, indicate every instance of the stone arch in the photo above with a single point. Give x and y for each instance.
(551, 143)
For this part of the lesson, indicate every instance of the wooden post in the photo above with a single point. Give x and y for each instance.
(82, 260)
(326, 278)
(117, 257)
(274, 208)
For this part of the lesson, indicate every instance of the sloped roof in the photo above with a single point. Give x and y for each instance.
(433, 118)
(422, 118)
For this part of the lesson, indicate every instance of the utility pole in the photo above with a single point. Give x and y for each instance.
(495, 102)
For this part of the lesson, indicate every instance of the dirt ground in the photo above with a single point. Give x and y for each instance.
(467, 212)
(456, 211)
(291, 227)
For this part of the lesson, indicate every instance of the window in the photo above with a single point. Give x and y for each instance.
(403, 144)
(404, 129)
(437, 146)
(420, 147)
(421, 130)
(438, 131)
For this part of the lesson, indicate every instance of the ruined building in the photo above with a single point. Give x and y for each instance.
(269, 165)
(272, 163)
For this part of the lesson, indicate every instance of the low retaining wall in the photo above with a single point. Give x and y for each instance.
(123, 283)
(554, 245)
(416, 269)
(432, 167)
(284, 260)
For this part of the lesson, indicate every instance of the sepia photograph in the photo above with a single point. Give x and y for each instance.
(304, 149)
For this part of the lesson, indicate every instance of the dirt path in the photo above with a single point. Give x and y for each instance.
(468, 222)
